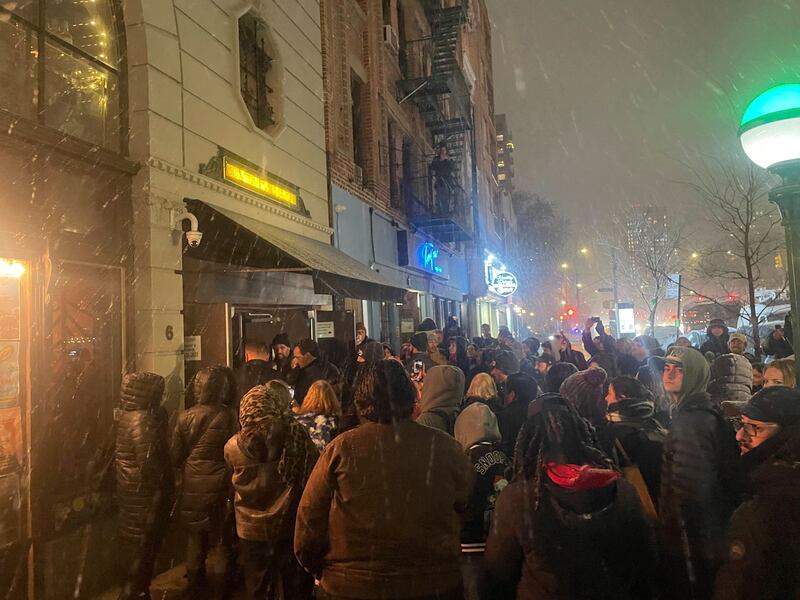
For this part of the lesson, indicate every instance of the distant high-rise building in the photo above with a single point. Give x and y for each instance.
(646, 229)
(505, 154)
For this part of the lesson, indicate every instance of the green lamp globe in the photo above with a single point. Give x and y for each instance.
(770, 128)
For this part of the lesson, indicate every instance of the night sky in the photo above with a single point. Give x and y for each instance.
(607, 98)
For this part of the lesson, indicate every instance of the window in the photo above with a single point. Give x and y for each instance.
(60, 64)
(359, 130)
(256, 70)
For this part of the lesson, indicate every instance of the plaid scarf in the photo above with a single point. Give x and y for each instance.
(266, 407)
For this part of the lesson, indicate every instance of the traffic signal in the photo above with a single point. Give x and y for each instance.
(571, 311)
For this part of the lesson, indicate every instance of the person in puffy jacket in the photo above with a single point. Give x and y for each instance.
(198, 442)
(568, 527)
(441, 397)
(731, 379)
(698, 478)
(144, 476)
(271, 459)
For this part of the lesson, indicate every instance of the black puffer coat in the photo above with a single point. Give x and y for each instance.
(198, 443)
(144, 477)
(697, 478)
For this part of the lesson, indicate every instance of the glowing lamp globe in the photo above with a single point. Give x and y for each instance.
(770, 128)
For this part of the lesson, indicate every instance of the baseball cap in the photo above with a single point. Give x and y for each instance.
(674, 356)
(776, 404)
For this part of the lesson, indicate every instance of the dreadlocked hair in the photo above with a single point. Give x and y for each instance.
(557, 433)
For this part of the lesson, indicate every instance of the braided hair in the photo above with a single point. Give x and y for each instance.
(556, 433)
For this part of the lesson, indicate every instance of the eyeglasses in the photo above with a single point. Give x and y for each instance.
(751, 429)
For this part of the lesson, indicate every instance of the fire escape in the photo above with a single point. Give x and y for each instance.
(439, 205)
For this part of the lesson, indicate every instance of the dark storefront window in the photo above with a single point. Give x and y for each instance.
(69, 80)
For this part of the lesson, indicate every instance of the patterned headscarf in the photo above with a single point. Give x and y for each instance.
(265, 407)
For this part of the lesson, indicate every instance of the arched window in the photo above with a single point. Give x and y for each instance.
(259, 73)
(60, 64)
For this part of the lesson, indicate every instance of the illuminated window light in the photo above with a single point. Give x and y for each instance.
(11, 268)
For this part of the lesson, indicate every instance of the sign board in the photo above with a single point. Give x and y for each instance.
(673, 286)
(324, 329)
(427, 257)
(504, 283)
(406, 325)
(192, 348)
(627, 320)
(257, 182)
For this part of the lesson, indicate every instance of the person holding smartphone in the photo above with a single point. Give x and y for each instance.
(420, 360)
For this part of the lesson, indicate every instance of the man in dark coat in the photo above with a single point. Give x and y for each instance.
(520, 391)
(198, 442)
(696, 478)
(257, 368)
(763, 547)
(310, 366)
(281, 362)
(716, 338)
(144, 477)
(419, 342)
(778, 345)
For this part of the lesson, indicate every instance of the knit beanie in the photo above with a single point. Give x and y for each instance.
(584, 391)
(281, 339)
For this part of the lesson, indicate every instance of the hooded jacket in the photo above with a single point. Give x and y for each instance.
(144, 477)
(579, 544)
(731, 379)
(763, 553)
(717, 345)
(441, 396)
(321, 368)
(697, 468)
(198, 442)
(477, 431)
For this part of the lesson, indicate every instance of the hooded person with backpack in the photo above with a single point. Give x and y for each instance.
(441, 397)
(568, 526)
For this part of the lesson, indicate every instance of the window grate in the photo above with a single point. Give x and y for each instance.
(254, 66)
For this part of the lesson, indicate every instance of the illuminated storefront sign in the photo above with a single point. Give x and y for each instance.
(252, 180)
(428, 254)
(504, 283)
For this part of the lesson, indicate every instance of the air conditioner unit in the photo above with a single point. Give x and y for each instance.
(358, 175)
(390, 38)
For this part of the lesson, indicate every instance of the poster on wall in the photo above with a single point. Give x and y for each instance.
(9, 374)
(406, 325)
(10, 505)
(10, 440)
(9, 308)
(192, 348)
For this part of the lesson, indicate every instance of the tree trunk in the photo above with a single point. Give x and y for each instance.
(751, 296)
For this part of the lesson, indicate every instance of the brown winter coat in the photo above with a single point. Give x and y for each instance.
(380, 514)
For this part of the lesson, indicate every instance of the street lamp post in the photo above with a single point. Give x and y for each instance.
(770, 136)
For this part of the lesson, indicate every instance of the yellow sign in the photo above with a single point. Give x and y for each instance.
(255, 182)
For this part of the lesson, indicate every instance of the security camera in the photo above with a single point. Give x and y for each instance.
(194, 238)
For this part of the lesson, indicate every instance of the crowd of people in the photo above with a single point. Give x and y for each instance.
(488, 468)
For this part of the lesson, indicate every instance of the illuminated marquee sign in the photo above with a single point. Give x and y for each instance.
(504, 283)
(250, 179)
(428, 254)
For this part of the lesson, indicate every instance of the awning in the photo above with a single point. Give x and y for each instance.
(334, 271)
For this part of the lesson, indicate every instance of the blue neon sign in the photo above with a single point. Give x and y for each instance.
(428, 254)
